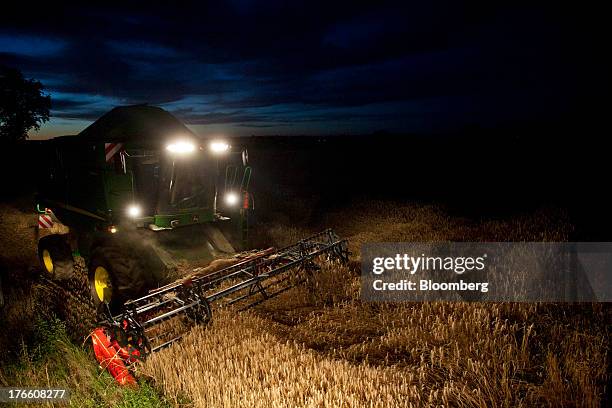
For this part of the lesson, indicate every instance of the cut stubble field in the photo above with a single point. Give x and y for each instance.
(320, 345)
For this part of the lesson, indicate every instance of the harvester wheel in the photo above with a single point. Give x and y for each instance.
(55, 257)
(115, 276)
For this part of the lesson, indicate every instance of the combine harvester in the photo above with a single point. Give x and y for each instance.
(139, 196)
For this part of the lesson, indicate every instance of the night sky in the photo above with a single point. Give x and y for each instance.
(289, 68)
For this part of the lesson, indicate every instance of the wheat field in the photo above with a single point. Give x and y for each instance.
(319, 345)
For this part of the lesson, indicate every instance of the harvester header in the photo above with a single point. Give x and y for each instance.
(247, 283)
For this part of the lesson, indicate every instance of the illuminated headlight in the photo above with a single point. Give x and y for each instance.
(181, 147)
(231, 198)
(219, 147)
(134, 211)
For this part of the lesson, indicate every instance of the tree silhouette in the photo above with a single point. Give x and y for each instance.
(23, 105)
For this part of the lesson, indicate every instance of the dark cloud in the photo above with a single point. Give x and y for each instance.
(63, 104)
(216, 118)
(253, 64)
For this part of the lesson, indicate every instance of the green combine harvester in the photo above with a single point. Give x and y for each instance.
(149, 206)
(138, 194)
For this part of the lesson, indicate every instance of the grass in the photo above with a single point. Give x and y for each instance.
(51, 360)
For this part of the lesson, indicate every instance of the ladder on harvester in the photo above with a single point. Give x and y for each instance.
(146, 324)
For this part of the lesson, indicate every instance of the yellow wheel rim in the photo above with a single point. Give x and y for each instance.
(102, 284)
(47, 261)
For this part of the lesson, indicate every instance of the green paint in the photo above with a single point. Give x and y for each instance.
(185, 217)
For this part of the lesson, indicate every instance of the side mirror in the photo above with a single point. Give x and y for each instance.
(245, 157)
(121, 159)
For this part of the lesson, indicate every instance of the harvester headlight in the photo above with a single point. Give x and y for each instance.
(231, 198)
(181, 147)
(219, 147)
(112, 229)
(134, 211)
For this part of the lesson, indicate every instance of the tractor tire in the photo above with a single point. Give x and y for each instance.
(117, 275)
(55, 257)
